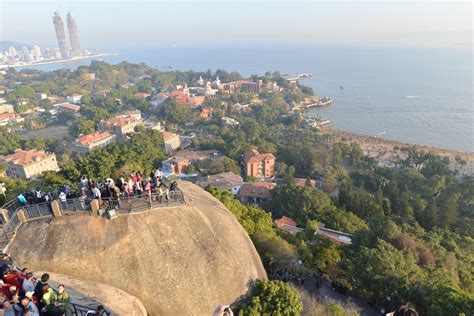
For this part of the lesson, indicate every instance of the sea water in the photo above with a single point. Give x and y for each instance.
(414, 95)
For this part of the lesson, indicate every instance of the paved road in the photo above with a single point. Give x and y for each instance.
(325, 292)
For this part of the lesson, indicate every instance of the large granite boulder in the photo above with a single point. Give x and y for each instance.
(180, 260)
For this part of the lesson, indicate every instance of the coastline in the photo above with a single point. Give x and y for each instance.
(48, 62)
(376, 142)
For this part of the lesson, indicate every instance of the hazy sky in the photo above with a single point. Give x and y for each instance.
(107, 23)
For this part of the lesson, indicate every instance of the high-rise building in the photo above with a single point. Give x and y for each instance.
(72, 28)
(60, 35)
(11, 51)
(36, 52)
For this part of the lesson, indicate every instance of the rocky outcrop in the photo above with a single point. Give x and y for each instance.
(180, 260)
(91, 294)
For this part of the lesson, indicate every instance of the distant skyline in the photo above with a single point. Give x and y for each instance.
(107, 24)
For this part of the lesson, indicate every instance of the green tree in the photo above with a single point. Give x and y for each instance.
(175, 113)
(224, 164)
(273, 298)
(84, 126)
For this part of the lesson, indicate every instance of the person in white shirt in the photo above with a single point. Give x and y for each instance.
(62, 197)
(96, 193)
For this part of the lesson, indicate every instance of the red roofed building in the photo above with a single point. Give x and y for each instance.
(256, 193)
(261, 166)
(121, 125)
(175, 165)
(69, 107)
(287, 224)
(10, 118)
(180, 96)
(25, 164)
(86, 143)
(196, 101)
(206, 113)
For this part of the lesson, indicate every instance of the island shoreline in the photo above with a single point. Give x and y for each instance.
(372, 141)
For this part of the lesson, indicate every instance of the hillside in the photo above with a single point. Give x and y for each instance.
(176, 260)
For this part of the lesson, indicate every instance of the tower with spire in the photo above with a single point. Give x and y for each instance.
(60, 35)
(72, 28)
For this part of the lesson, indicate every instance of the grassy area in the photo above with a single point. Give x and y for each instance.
(54, 132)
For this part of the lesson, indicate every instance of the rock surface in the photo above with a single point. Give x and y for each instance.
(93, 294)
(182, 260)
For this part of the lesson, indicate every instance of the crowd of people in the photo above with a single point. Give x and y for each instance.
(153, 186)
(22, 294)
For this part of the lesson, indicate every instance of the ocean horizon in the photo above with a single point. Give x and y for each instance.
(413, 95)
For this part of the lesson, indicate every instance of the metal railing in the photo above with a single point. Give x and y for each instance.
(143, 202)
(75, 205)
(12, 206)
(81, 310)
(37, 210)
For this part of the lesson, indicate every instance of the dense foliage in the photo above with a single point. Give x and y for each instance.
(412, 225)
(273, 298)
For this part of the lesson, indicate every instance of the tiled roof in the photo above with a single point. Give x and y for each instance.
(91, 138)
(257, 189)
(285, 220)
(70, 106)
(335, 235)
(254, 156)
(302, 182)
(5, 116)
(221, 181)
(25, 157)
(118, 121)
(142, 95)
(168, 135)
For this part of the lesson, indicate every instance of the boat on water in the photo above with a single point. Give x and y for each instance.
(382, 133)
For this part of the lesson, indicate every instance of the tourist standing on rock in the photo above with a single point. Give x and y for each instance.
(96, 193)
(21, 198)
(100, 311)
(27, 305)
(61, 299)
(29, 283)
(8, 309)
(39, 286)
(148, 191)
(84, 182)
(223, 310)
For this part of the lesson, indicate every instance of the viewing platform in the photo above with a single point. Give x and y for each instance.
(14, 214)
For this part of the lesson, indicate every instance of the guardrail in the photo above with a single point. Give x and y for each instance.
(122, 205)
(143, 202)
(81, 310)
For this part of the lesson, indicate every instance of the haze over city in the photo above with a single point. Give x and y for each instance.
(147, 23)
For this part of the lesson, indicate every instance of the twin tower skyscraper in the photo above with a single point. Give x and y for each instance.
(61, 35)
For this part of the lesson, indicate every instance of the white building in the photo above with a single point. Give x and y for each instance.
(75, 98)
